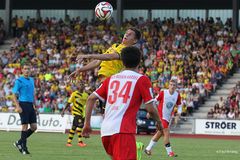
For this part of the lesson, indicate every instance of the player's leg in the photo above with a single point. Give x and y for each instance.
(33, 123)
(72, 131)
(33, 126)
(140, 147)
(166, 141)
(124, 146)
(71, 135)
(21, 144)
(79, 132)
(106, 141)
(153, 142)
(32, 129)
(22, 141)
(156, 137)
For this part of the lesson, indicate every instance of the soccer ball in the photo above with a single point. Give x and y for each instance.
(103, 10)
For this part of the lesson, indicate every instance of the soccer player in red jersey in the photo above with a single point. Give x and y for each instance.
(167, 99)
(123, 93)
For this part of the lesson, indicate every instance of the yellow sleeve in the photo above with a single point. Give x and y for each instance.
(72, 97)
(84, 96)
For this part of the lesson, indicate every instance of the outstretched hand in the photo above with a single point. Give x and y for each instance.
(18, 109)
(81, 57)
(73, 75)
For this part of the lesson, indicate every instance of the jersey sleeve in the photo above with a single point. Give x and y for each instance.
(84, 96)
(71, 99)
(179, 102)
(159, 96)
(145, 88)
(102, 91)
(16, 86)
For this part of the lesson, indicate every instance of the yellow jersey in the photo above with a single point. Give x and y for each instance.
(79, 102)
(108, 68)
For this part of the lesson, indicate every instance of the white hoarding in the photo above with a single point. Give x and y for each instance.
(45, 122)
(217, 127)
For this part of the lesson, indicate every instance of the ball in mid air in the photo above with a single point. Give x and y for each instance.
(103, 10)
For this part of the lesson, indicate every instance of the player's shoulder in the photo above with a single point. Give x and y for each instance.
(31, 78)
(162, 89)
(115, 44)
(143, 78)
(106, 80)
(20, 79)
(74, 92)
(85, 94)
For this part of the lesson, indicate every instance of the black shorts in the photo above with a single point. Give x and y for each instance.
(78, 121)
(28, 115)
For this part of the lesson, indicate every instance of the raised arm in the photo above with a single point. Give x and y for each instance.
(90, 66)
(103, 57)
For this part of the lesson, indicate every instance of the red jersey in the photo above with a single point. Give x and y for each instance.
(123, 93)
(167, 102)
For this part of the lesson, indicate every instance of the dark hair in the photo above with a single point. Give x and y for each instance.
(137, 32)
(131, 57)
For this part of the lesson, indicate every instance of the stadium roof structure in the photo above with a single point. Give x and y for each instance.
(127, 4)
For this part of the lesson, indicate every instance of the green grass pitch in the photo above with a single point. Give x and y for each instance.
(51, 146)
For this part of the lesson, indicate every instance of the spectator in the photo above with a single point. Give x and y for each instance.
(223, 115)
(231, 114)
(210, 114)
(182, 55)
(221, 102)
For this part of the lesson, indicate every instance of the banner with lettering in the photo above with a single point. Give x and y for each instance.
(45, 122)
(217, 127)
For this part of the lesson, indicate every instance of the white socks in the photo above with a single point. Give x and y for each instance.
(169, 150)
(150, 145)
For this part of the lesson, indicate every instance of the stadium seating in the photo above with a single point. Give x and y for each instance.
(193, 51)
(227, 108)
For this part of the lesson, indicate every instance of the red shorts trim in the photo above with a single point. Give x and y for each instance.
(120, 146)
(165, 123)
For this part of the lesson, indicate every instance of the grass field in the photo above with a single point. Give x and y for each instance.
(51, 146)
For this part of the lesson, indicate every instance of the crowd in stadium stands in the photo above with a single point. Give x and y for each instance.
(199, 53)
(2, 31)
(228, 108)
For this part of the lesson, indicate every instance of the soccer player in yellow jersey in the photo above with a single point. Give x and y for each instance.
(78, 98)
(110, 62)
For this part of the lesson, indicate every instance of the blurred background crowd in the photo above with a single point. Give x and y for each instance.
(199, 53)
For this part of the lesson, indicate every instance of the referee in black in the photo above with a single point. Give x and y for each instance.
(24, 90)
